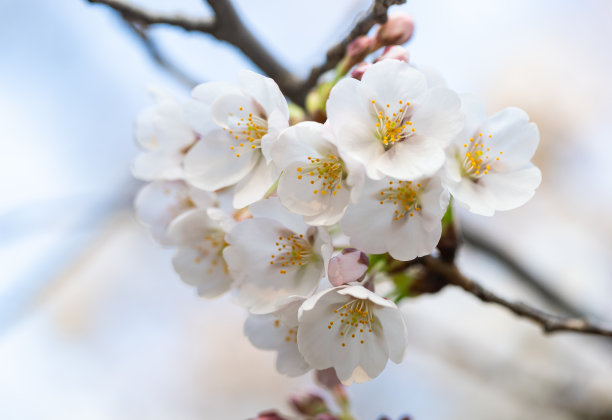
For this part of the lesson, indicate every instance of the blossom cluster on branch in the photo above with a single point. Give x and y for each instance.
(292, 215)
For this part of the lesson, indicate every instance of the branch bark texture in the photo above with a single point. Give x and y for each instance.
(548, 322)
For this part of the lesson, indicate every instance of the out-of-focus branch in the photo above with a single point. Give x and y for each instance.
(531, 280)
(377, 14)
(227, 26)
(146, 18)
(548, 322)
(157, 56)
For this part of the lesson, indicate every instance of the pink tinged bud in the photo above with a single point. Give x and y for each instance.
(328, 378)
(270, 415)
(356, 51)
(360, 69)
(397, 30)
(350, 265)
(394, 52)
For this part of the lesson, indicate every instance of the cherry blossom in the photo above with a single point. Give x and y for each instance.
(403, 217)
(392, 122)
(164, 135)
(275, 255)
(200, 237)
(278, 331)
(351, 329)
(159, 202)
(316, 181)
(239, 125)
(488, 166)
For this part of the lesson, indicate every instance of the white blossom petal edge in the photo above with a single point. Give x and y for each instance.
(488, 167)
(278, 331)
(353, 330)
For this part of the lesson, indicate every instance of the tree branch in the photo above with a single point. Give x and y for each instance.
(377, 14)
(493, 250)
(548, 322)
(227, 26)
(157, 56)
(146, 18)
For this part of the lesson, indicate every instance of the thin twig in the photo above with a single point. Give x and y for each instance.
(377, 14)
(548, 322)
(158, 57)
(531, 280)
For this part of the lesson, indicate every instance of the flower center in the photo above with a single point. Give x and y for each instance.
(212, 243)
(404, 195)
(477, 159)
(393, 125)
(325, 173)
(294, 251)
(353, 320)
(247, 129)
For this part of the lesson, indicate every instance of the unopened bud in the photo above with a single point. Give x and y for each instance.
(328, 378)
(356, 51)
(396, 30)
(350, 265)
(309, 404)
(270, 415)
(394, 52)
(360, 69)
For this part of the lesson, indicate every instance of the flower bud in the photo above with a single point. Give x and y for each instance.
(356, 51)
(327, 378)
(270, 415)
(309, 404)
(396, 30)
(359, 69)
(350, 265)
(394, 52)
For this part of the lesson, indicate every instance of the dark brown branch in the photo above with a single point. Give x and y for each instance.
(377, 14)
(227, 26)
(548, 322)
(528, 278)
(146, 18)
(157, 56)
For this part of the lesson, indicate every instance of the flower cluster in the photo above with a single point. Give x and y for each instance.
(267, 208)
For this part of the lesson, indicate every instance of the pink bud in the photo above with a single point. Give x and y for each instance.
(359, 69)
(396, 30)
(356, 51)
(328, 378)
(350, 265)
(394, 52)
(270, 415)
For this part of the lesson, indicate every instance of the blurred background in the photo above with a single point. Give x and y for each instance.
(94, 323)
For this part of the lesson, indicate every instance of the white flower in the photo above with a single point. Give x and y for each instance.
(488, 166)
(200, 237)
(238, 125)
(352, 330)
(159, 202)
(402, 218)
(275, 255)
(392, 122)
(165, 135)
(278, 331)
(316, 181)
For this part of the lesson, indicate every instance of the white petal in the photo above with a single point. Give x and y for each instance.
(204, 269)
(394, 330)
(394, 80)
(411, 159)
(265, 91)
(156, 165)
(159, 202)
(210, 164)
(438, 118)
(271, 208)
(254, 186)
